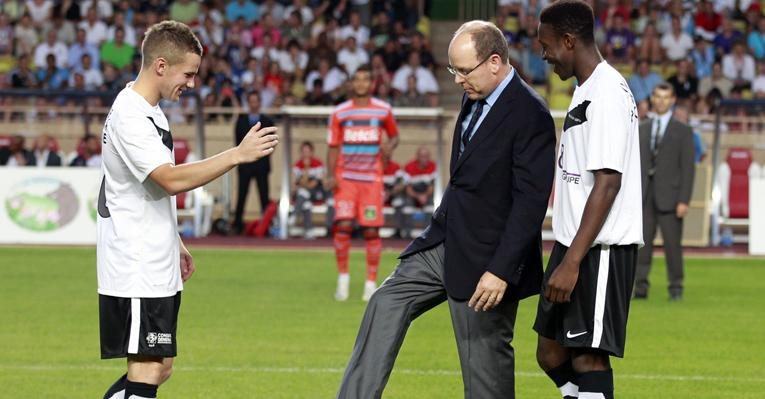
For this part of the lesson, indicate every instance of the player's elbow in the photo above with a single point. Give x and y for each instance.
(165, 177)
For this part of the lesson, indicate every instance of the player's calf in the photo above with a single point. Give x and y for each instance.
(594, 374)
(555, 361)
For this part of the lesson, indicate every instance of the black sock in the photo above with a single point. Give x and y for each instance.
(118, 385)
(596, 384)
(140, 390)
(564, 378)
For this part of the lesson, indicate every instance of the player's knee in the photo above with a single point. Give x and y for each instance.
(344, 227)
(371, 233)
(165, 373)
(549, 354)
(590, 360)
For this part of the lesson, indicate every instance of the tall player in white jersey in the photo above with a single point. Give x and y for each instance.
(597, 212)
(142, 262)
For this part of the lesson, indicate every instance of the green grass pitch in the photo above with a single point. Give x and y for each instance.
(263, 324)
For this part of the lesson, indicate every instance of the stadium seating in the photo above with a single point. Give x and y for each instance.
(739, 161)
(195, 206)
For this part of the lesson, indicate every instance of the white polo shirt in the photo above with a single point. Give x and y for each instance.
(600, 132)
(137, 247)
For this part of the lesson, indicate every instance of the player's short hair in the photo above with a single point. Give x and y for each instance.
(574, 17)
(487, 39)
(170, 40)
(665, 86)
(363, 68)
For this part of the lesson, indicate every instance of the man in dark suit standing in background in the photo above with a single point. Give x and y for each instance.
(15, 154)
(666, 156)
(259, 169)
(482, 250)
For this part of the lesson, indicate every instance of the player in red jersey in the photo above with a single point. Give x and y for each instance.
(354, 164)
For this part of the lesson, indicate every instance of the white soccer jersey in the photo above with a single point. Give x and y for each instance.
(600, 132)
(138, 249)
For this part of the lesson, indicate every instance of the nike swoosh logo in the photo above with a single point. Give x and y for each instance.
(569, 335)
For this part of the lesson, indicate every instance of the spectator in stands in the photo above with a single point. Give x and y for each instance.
(649, 45)
(43, 152)
(293, 59)
(716, 81)
(420, 179)
(356, 30)
(727, 38)
(680, 113)
(380, 32)
(308, 174)
(15, 154)
(666, 154)
(210, 33)
(39, 10)
(676, 43)
(96, 31)
(114, 80)
(51, 77)
(128, 30)
(69, 9)
(613, 8)
(306, 14)
(534, 67)
(117, 52)
(417, 43)
(426, 81)
(394, 190)
(92, 77)
(273, 8)
(703, 57)
(6, 34)
(185, 11)
(257, 170)
(683, 82)
(103, 8)
(90, 154)
(332, 78)
(707, 21)
(738, 66)
(619, 41)
(411, 97)
(242, 9)
(51, 45)
(295, 29)
(643, 80)
(65, 29)
(351, 56)
(265, 27)
(25, 35)
(391, 55)
(80, 47)
(758, 85)
(756, 39)
(268, 49)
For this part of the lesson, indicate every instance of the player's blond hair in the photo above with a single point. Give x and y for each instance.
(170, 40)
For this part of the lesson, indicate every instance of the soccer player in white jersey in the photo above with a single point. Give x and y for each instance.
(142, 262)
(597, 212)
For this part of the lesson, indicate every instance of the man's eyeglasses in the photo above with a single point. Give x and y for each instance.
(464, 74)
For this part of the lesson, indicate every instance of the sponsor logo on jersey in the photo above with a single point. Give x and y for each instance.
(569, 177)
(576, 116)
(361, 134)
(370, 213)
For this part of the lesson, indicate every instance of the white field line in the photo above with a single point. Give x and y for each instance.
(333, 370)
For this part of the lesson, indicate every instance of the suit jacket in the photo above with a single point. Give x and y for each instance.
(490, 217)
(243, 125)
(673, 165)
(53, 159)
(5, 155)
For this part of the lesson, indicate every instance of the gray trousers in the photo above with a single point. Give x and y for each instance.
(416, 286)
(671, 232)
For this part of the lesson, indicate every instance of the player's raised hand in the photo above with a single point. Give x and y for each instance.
(258, 143)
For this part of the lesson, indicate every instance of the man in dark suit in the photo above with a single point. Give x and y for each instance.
(43, 152)
(15, 154)
(259, 169)
(482, 249)
(666, 156)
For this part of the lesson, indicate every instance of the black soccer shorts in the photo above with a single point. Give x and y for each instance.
(596, 317)
(138, 326)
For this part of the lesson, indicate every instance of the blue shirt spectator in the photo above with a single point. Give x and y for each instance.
(242, 9)
(80, 47)
(703, 56)
(643, 81)
(756, 40)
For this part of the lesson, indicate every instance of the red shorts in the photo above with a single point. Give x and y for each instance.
(362, 201)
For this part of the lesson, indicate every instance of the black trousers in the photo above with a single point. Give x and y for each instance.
(245, 176)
